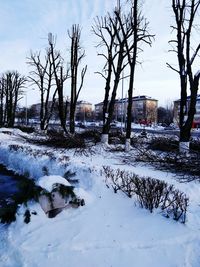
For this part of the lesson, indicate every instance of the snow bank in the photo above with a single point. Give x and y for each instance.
(47, 182)
(108, 231)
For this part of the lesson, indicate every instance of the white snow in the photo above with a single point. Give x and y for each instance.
(47, 182)
(110, 230)
(197, 73)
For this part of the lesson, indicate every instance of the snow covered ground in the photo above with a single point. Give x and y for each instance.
(110, 230)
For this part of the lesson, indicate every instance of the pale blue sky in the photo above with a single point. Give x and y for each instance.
(26, 23)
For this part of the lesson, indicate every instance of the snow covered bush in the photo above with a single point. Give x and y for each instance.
(7, 213)
(150, 193)
(57, 194)
(28, 190)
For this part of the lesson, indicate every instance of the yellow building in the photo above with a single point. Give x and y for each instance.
(144, 109)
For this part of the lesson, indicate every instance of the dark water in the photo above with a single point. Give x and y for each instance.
(8, 185)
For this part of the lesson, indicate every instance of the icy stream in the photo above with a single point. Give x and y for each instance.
(8, 185)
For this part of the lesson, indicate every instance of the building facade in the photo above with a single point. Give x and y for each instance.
(83, 110)
(144, 110)
(196, 122)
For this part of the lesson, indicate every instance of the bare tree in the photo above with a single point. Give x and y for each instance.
(11, 84)
(60, 78)
(138, 26)
(185, 13)
(77, 54)
(109, 31)
(2, 95)
(42, 76)
(104, 31)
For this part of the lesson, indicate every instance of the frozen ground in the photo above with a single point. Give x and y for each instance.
(110, 230)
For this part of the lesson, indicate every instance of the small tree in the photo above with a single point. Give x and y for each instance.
(185, 14)
(11, 84)
(42, 76)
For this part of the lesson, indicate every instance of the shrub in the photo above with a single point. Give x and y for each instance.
(150, 193)
(27, 216)
(163, 144)
(117, 137)
(188, 168)
(15, 147)
(7, 213)
(91, 136)
(28, 190)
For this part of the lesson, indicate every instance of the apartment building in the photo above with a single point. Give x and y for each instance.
(196, 122)
(144, 109)
(83, 110)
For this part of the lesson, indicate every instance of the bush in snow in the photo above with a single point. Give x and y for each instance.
(60, 196)
(119, 180)
(150, 193)
(164, 144)
(68, 175)
(188, 167)
(93, 136)
(7, 213)
(27, 191)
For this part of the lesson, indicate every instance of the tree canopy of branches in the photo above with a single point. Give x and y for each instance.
(137, 25)
(77, 53)
(119, 34)
(112, 41)
(43, 77)
(11, 85)
(185, 13)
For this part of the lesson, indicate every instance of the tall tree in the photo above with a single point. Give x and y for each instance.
(185, 13)
(77, 54)
(108, 30)
(138, 25)
(104, 31)
(60, 77)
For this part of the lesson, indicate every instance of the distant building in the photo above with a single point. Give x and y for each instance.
(144, 109)
(83, 110)
(98, 111)
(196, 122)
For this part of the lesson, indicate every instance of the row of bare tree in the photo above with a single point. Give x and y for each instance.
(11, 87)
(122, 35)
(49, 75)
